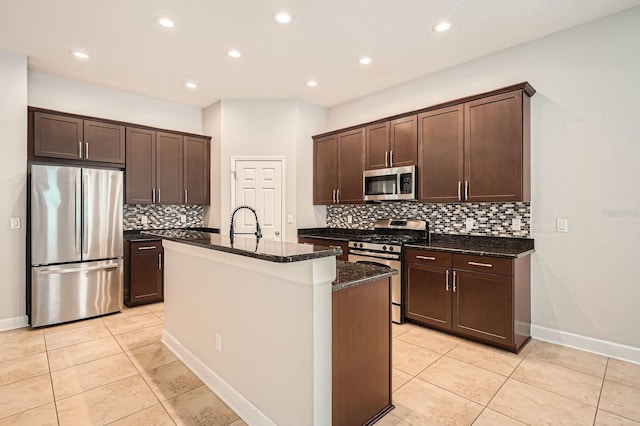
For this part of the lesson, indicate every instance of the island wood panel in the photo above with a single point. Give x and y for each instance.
(140, 173)
(169, 168)
(196, 170)
(361, 353)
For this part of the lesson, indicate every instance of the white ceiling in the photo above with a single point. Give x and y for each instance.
(131, 52)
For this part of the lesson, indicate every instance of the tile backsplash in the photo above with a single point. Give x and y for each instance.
(161, 216)
(491, 219)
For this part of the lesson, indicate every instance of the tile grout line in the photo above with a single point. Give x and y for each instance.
(53, 391)
(600, 394)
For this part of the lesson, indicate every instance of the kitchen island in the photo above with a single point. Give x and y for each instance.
(253, 319)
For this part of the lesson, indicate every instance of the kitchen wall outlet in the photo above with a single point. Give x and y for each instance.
(15, 223)
(218, 342)
(349, 219)
(289, 218)
(183, 218)
(516, 224)
(144, 219)
(562, 225)
(469, 223)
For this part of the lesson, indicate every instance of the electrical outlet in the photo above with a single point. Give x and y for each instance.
(144, 219)
(469, 223)
(15, 223)
(562, 225)
(218, 342)
(516, 224)
(183, 218)
(349, 219)
(290, 218)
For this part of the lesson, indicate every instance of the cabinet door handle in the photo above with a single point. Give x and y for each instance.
(390, 158)
(153, 195)
(333, 196)
(146, 248)
(466, 189)
(186, 196)
(426, 257)
(159, 260)
(459, 190)
(447, 281)
(454, 281)
(386, 158)
(486, 265)
(80, 149)
(337, 195)
(158, 194)
(86, 150)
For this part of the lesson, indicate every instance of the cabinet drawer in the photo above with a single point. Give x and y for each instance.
(489, 265)
(146, 247)
(428, 257)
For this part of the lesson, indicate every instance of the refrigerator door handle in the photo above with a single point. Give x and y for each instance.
(78, 211)
(72, 270)
(85, 213)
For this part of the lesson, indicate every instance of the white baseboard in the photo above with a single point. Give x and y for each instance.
(238, 403)
(588, 344)
(13, 323)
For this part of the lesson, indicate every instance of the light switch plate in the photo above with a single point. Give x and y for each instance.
(290, 218)
(15, 223)
(469, 223)
(349, 219)
(144, 219)
(562, 225)
(183, 218)
(516, 224)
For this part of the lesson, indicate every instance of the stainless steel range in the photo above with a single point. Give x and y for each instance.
(384, 248)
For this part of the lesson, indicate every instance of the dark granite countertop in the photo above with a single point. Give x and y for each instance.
(462, 244)
(137, 234)
(353, 274)
(264, 249)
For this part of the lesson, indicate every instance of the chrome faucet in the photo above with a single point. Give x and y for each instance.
(258, 233)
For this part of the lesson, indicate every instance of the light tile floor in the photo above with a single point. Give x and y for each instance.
(114, 370)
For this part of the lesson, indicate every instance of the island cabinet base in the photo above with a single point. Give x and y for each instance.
(361, 353)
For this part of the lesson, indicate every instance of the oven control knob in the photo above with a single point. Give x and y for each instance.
(360, 245)
(390, 248)
(384, 247)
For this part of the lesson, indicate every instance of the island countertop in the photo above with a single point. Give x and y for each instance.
(264, 249)
(352, 274)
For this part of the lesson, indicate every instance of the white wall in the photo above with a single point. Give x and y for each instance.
(13, 166)
(63, 94)
(212, 125)
(267, 128)
(585, 167)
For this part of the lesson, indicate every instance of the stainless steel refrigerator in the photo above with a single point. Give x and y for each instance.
(76, 243)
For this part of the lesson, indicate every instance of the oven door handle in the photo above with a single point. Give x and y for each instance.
(378, 255)
(369, 262)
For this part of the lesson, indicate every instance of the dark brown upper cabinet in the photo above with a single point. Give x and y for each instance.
(72, 138)
(477, 151)
(338, 163)
(196, 170)
(392, 143)
(154, 167)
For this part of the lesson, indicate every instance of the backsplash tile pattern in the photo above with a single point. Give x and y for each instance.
(491, 219)
(161, 216)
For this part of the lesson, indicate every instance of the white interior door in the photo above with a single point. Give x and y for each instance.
(258, 184)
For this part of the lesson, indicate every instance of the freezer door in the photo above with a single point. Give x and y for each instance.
(101, 214)
(55, 215)
(75, 291)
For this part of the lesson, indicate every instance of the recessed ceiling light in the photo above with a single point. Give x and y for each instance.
(365, 60)
(234, 53)
(311, 83)
(283, 17)
(165, 22)
(442, 26)
(79, 55)
(190, 85)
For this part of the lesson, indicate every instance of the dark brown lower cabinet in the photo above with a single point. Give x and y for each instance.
(480, 297)
(344, 245)
(361, 360)
(143, 273)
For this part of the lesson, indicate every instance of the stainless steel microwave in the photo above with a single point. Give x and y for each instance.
(394, 183)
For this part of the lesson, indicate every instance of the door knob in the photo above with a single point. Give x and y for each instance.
(277, 232)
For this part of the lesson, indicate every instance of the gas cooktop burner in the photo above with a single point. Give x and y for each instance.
(387, 239)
